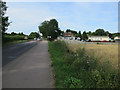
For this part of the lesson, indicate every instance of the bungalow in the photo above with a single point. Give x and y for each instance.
(67, 36)
(26, 37)
(99, 38)
(117, 39)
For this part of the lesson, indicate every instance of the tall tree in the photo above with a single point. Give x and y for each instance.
(50, 28)
(34, 35)
(84, 36)
(3, 19)
(80, 34)
(100, 32)
(74, 32)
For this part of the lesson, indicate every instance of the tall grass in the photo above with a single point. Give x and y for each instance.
(80, 70)
(101, 52)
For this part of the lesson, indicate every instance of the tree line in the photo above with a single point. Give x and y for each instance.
(47, 28)
(50, 28)
(8, 37)
(98, 32)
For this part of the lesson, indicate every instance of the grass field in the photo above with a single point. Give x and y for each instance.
(79, 69)
(102, 52)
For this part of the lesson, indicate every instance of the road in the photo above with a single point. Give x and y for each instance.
(11, 52)
(30, 70)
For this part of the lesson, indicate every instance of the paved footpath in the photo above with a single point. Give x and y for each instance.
(30, 70)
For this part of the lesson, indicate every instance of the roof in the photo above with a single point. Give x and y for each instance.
(68, 34)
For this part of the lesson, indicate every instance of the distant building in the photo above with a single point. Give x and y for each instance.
(99, 38)
(67, 36)
(25, 37)
(117, 39)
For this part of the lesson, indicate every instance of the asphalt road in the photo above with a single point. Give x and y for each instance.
(11, 52)
(30, 70)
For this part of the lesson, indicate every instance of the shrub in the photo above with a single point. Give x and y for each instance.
(9, 38)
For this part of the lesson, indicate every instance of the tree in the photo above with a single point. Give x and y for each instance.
(50, 28)
(34, 35)
(100, 32)
(4, 24)
(12, 33)
(107, 33)
(72, 31)
(43, 28)
(84, 36)
(80, 34)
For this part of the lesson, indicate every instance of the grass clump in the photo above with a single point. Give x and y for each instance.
(80, 70)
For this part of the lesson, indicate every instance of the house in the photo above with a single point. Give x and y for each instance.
(68, 36)
(25, 37)
(98, 38)
(117, 39)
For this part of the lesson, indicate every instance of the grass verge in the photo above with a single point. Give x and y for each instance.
(79, 70)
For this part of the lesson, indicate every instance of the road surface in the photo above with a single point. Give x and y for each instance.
(11, 52)
(30, 70)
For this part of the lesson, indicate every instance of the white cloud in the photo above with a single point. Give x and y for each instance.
(27, 19)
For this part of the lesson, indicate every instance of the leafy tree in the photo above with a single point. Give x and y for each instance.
(34, 35)
(84, 36)
(12, 33)
(4, 24)
(43, 28)
(21, 33)
(80, 34)
(50, 28)
(107, 33)
(100, 32)
(74, 32)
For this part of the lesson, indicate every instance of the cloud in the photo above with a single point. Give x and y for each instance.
(77, 16)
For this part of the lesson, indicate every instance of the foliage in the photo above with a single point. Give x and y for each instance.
(84, 36)
(8, 38)
(3, 18)
(100, 32)
(72, 31)
(79, 70)
(34, 35)
(80, 34)
(50, 28)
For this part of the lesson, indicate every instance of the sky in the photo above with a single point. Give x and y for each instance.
(78, 16)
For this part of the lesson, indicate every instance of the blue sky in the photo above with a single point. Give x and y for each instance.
(83, 16)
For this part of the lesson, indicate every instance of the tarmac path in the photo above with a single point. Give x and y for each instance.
(30, 70)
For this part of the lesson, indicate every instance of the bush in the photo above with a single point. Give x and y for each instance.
(9, 38)
(79, 70)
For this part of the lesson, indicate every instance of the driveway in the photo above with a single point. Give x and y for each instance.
(30, 70)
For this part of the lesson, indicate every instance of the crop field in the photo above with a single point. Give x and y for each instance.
(104, 53)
